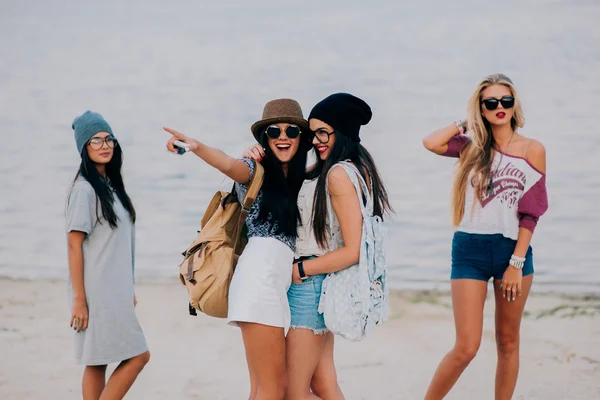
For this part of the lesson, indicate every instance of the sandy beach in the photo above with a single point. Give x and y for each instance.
(207, 69)
(203, 358)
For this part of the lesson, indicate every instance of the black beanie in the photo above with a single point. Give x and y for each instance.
(344, 112)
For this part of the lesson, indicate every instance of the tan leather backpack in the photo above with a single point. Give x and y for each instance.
(210, 261)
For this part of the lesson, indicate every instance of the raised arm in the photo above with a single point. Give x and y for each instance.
(447, 141)
(233, 168)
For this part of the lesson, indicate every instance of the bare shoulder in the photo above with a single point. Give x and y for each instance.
(536, 155)
(339, 182)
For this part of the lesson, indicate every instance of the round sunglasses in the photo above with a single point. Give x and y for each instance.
(97, 143)
(322, 135)
(292, 131)
(492, 103)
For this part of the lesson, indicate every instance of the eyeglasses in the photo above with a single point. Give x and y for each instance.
(492, 103)
(97, 143)
(322, 135)
(292, 131)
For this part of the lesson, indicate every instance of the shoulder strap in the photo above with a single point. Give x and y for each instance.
(526, 148)
(251, 194)
(357, 172)
(364, 189)
(253, 188)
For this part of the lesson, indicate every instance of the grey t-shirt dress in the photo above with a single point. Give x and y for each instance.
(113, 332)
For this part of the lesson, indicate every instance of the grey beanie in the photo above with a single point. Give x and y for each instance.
(86, 126)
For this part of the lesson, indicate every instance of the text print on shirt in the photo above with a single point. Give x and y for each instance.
(509, 184)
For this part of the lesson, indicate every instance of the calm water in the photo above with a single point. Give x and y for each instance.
(207, 69)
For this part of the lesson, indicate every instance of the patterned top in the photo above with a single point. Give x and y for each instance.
(257, 228)
(517, 200)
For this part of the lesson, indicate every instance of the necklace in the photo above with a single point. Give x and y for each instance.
(490, 186)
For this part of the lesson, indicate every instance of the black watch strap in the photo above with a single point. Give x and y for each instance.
(301, 271)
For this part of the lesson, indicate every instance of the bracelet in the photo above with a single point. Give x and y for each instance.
(460, 125)
(517, 262)
(301, 271)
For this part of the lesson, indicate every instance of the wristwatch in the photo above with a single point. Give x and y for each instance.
(517, 262)
(301, 271)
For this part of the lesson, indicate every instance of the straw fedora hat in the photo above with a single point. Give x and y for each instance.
(281, 110)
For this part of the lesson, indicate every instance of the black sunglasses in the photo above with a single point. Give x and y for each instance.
(322, 135)
(292, 131)
(492, 103)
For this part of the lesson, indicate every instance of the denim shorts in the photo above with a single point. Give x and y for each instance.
(481, 257)
(304, 304)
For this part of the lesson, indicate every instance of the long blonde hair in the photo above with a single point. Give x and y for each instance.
(477, 157)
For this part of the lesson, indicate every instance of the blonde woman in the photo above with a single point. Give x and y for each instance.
(499, 193)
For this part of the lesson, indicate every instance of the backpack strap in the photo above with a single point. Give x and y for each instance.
(251, 195)
(360, 185)
(253, 189)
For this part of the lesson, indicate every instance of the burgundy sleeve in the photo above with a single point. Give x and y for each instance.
(455, 145)
(533, 205)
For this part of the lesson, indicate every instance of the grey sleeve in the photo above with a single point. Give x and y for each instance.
(81, 209)
(133, 252)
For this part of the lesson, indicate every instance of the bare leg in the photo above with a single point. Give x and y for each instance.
(123, 377)
(508, 325)
(468, 299)
(265, 351)
(94, 380)
(253, 379)
(324, 381)
(304, 350)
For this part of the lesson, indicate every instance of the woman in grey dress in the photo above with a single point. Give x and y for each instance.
(101, 236)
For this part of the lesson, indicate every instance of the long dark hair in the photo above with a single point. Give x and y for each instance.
(104, 187)
(280, 192)
(345, 148)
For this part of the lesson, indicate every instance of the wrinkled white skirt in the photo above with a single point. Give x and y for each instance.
(258, 290)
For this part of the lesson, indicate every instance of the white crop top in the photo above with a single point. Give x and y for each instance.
(517, 200)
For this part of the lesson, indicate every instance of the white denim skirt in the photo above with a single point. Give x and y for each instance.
(258, 290)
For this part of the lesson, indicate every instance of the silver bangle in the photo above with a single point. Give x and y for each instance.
(461, 126)
(517, 262)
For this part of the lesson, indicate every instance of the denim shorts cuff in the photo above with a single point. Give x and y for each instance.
(477, 278)
(315, 331)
